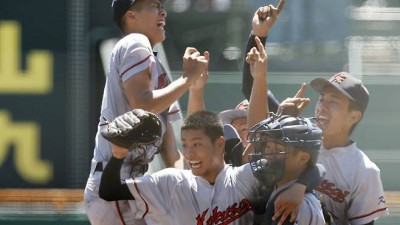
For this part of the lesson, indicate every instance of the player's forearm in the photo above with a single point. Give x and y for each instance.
(159, 100)
(111, 188)
(169, 150)
(196, 101)
(258, 107)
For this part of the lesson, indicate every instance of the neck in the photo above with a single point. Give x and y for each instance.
(330, 142)
(211, 179)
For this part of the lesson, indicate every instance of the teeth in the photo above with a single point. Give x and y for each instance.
(322, 117)
(195, 164)
(322, 120)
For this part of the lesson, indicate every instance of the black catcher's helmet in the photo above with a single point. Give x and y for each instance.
(298, 132)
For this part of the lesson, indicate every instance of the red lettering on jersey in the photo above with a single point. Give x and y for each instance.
(163, 81)
(232, 213)
(328, 188)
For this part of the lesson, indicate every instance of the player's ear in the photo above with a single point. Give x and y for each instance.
(303, 157)
(130, 15)
(220, 144)
(355, 116)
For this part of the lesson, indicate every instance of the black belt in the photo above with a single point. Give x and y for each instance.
(99, 167)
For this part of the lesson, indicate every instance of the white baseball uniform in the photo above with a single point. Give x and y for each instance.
(310, 212)
(177, 197)
(131, 55)
(351, 189)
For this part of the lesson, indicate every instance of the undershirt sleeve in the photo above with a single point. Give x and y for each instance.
(312, 176)
(247, 79)
(111, 186)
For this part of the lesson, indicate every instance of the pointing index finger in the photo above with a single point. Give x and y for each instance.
(280, 5)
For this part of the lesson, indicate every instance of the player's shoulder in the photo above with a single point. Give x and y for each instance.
(362, 159)
(133, 40)
(137, 39)
(242, 173)
(310, 211)
(174, 174)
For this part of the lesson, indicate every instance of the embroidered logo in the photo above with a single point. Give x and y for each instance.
(232, 213)
(382, 200)
(338, 78)
(328, 188)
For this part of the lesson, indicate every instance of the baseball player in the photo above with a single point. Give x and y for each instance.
(136, 78)
(352, 189)
(211, 192)
(284, 148)
(289, 201)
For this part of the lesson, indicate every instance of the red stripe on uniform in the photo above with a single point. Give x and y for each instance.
(122, 74)
(120, 213)
(147, 206)
(173, 112)
(365, 215)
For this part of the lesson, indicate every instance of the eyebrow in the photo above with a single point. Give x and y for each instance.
(192, 139)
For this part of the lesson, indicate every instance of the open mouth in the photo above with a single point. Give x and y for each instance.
(161, 23)
(195, 164)
(322, 120)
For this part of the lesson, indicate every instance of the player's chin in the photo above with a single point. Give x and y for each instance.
(160, 38)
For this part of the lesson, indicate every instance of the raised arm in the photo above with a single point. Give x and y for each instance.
(196, 91)
(258, 108)
(127, 132)
(112, 188)
(263, 20)
(140, 94)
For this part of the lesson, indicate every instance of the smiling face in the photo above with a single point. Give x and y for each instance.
(295, 161)
(334, 115)
(204, 157)
(148, 18)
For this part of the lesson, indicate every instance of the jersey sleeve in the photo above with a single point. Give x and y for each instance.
(368, 200)
(153, 192)
(310, 211)
(135, 56)
(246, 181)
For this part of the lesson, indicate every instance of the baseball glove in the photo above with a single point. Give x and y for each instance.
(133, 129)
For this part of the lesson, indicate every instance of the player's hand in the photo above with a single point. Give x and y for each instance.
(201, 82)
(294, 106)
(257, 58)
(264, 19)
(288, 203)
(194, 65)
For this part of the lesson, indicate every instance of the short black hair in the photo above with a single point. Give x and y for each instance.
(207, 121)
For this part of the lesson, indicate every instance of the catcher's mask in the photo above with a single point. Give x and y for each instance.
(272, 139)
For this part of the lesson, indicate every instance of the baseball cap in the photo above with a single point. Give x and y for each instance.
(240, 111)
(119, 8)
(350, 86)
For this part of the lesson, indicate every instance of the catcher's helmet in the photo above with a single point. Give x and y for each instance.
(298, 132)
